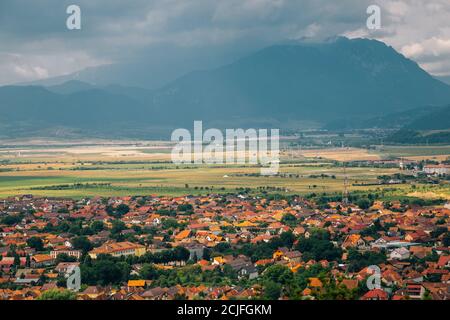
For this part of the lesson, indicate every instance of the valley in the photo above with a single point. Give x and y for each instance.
(120, 168)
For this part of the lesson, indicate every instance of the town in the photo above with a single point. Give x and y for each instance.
(224, 246)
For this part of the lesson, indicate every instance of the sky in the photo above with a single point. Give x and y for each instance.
(36, 44)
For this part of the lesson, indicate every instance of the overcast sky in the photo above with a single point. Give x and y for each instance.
(35, 43)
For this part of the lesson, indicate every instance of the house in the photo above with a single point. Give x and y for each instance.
(444, 262)
(375, 294)
(66, 267)
(243, 266)
(71, 253)
(42, 260)
(415, 291)
(196, 250)
(293, 256)
(418, 236)
(8, 262)
(182, 235)
(249, 271)
(315, 283)
(399, 254)
(119, 249)
(157, 293)
(380, 243)
(353, 240)
(350, 284)
(440, 169)
(420, 252)
(93, 292)
(132, 284)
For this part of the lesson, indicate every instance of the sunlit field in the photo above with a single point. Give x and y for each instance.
(145, 168)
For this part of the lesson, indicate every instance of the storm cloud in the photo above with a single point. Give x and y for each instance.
(35, 43)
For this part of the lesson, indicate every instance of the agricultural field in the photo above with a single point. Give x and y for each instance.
(438, 153)
(88, 170)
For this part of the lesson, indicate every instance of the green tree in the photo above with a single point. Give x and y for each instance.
(82, 243)
(148, 272)
(97, 226)
(64, 257)
(318, 247)
(289, 219)
(36, 243)
(272, 290)
(364, 203)
(446, 239)
(11, 220)
(117, 227)
(278, 274)
(122, 209)
(57, 294)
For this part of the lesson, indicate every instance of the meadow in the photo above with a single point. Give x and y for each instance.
(144, 168)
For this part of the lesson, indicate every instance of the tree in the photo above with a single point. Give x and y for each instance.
(185, 207)
(169, 223)
(318, 247)
(117, 212)
(36, 243)
(181, 254)
(97, 226)
(446, 239)
(206, 254)
(104, 270)
(222, 247)
(11, 220)
(149, 272)
(117, 227)
(82, 243)
(363, 203)
(357, 261)
(57, 294)
(16, 260)
(122, 209)
(438, 231)
(272, 290)
(289, 219)
(278, 274)
(64, 257)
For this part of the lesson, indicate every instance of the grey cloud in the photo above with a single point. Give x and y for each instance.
(135, 30)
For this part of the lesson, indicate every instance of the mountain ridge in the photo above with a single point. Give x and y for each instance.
(306, 81)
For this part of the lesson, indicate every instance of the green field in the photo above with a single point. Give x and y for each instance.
(415, 151)
(86, 172)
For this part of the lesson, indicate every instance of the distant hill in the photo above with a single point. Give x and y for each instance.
(322, 82)
(409, 136)
(70, 87)
(32, 110)
(436, 120)
(395, 120)
(433, 127)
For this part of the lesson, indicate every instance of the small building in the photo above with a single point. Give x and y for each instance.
(399, 254)
(70, 253)
(119, 249)
(440, 169)
(42, 260)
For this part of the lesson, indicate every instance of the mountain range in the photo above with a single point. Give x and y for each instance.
(282, 85)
